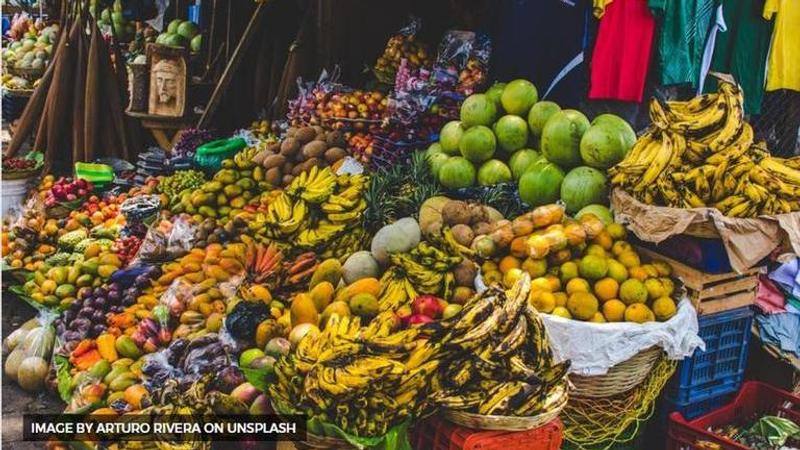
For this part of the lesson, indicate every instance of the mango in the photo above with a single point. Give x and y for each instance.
(370, 286)
(329, 270)
(58, 274)
(123, 381)
(364, 305)
(261, 293)
(303, 310)
(106, 270)
(89, 266)
(212, 187)
(73, 273)
(127, 348)
(48, 287)
(110, 259)
(100, 369)
(65, 290)
(322, 295)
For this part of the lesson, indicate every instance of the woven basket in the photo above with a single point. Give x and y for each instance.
(620, 378)
(28, 74)
(18, 92)
(505, 423)
(323, 442)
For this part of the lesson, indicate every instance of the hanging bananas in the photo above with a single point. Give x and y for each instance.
(700, 153)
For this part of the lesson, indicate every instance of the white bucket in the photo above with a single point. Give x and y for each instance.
(12, 194)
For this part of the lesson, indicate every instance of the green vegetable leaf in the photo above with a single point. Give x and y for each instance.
(261, 378)
(64, 378)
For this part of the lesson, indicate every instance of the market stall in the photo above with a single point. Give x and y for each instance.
(415, 256)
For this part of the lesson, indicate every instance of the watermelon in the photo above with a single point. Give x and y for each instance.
(450, 136)
(512, 132)
(493, 172)
(494, 94)
(603, 146)
(456, 173)
(602, 212)
(518, 97)
(541, 184)
(624, 128)
(478, 109)
(561, 137)
(538, 116)
(521, 160)
(478, 144)
(584, 186)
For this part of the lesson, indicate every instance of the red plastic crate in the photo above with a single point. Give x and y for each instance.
(755, 398)
(439, 434)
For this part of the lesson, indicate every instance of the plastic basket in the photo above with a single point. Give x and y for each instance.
(753, 400)
(692, 410)
(98, 174)
(210, 155)
(718, 370)
(438, 434)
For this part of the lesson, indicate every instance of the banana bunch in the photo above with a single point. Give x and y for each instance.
(363, 379)
(700, 153)
(424, 270)
(346, 244)
(244, 159)
(497, 357)
(313, 186)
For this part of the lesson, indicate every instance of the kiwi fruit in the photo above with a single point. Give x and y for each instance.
(334, 154)
(314, 149)
(305, 134)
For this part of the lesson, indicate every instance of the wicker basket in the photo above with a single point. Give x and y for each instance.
(18, 92)
(620, 378)
(28, 74)
(505, 423)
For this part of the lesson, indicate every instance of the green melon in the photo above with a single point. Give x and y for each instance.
(493, 172)
(478, 109)
(450, 136)
(457, 172)
(521, 161)
(538, 116)
(561, 138)
(512, 132)
(494, 94)
(603, 146)
(478, 144)
(436, 161)
(518, 97)
(584, 186)
(628, 135)
(541, 184)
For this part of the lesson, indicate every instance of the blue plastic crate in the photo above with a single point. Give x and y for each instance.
(692, 410)
(718, 370)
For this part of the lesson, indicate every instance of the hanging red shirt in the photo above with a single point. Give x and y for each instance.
(621, 56)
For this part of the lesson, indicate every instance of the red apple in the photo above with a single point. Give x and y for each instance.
(419, 319)
(428, 305)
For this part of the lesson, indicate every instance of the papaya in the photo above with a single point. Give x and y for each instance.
(127, 348)
(231, 265)
(194, 277)
(110, 259)
(260, 293)
(217, 272)
(370, 286)
(303, 310)
(322, 295)
(106, 270)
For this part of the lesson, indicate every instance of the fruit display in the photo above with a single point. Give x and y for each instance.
(33, 48)
(501, 363)
(301, 149)
(701, 153)
(173, 186)
(338, 107)
(57, 284)
(181, 33)
(20, 167)
(362, 379)
(112, 19)
(582, 268)
(28, 360)
(67, 190)
(535, 144)
(402, 46)
(238, 182)
(30, 240)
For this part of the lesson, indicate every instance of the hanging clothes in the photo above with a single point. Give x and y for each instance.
(621, 56)
(543, 41)
(719, 26)
(742, 50)
(783, 71)
(684, 27)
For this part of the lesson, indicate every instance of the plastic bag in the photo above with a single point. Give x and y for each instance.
(403, 46)
(30, 347)
(141, 209)
(464, 60)
(167, 241)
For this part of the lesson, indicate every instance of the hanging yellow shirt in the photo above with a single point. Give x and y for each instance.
(599, 7)
(783, 67)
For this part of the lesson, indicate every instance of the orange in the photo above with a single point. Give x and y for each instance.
(508, 263)
(534, 267)
(555, 283)
(606, 289)
(577, 285)
(629, 259)
(603, 240)
(637, 273)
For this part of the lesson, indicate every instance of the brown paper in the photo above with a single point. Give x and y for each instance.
(747, 241)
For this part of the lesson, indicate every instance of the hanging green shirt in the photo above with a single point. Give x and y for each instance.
(682, 33)
(742, 50)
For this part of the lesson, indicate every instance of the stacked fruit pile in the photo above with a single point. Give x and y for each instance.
(302, 149)
(402, 46)
(700, 153)
(28, 242)
(112, 18)
(180, 182)
(32, 47)
(67, 190)
(181, 33)
(499, 362)
(362, 379)
(572, 154)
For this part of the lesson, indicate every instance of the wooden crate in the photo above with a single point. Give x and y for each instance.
(712, 293)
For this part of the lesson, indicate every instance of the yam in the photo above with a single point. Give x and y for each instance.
(314, 149)
(334, 154)
(274, 161)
